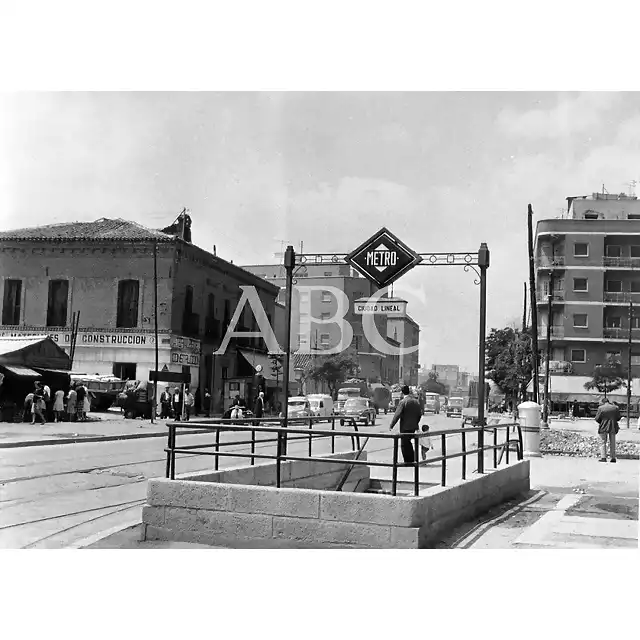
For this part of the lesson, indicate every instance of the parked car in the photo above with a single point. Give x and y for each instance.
(454, 408)
(359, 410)
(321, 405)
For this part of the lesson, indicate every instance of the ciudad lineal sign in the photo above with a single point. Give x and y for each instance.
(382, 306)
(383, 258)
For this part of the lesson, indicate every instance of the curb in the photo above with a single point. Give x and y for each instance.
(570, 454)
(124, 436)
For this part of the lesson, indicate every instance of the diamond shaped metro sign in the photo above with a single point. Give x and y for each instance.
(383, 258)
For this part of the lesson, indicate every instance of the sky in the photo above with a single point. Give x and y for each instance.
(444, 171)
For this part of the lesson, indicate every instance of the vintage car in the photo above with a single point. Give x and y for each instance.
(358, 410)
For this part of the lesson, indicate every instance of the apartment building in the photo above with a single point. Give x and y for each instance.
(590, 264)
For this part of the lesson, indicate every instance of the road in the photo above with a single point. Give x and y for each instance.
(59, 496)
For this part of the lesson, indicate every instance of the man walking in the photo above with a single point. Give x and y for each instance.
(258, 409)
(409, 414)
(607, 417)
(165, 404)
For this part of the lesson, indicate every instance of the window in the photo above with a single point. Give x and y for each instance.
(578, 355)
(635, 359)
(591, 216)
(613, 322)
(127, 314)
(225, 372)
(581, 249)
(57, 304)
(124, 370)
(635, 322)
(326, 296)
(324, 339)
(580, 320)
(12, 302)
(614, 286)
(635, 286)
(613, 251)
(211, 306)
(227, 313)
(328, 273)
(188, 300)
(635, 251)
(580, 284)
(325, 315)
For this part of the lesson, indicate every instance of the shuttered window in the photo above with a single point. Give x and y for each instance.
(57, 303)
(12, 300)
(128, 296)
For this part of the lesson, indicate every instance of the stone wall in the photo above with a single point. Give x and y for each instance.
(238, 507)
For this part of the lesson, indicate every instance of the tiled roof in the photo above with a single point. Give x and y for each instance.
(102, 229)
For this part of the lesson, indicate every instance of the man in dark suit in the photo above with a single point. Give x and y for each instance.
(258, 409)
(409, 414)
(607, 417)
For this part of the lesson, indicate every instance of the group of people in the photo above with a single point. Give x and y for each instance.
(173, 404)
(40, 404)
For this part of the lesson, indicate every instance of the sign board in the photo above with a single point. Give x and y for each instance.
(170, 376)
(383, 307)
(383, 258)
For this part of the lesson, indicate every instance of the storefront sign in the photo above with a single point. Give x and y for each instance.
(185, 358)
(181, 343)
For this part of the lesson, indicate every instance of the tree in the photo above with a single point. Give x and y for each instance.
(607, 377)
(333, 370)
(509, 359)
(433, 385)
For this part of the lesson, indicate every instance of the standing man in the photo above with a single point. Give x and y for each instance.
(165, 404)
(258, 409)
(176, 401)
(607, 417)
(189, 402)
(409, 414)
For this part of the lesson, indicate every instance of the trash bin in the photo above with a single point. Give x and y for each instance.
(529, 413)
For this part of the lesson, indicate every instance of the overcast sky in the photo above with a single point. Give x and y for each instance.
(444, 171)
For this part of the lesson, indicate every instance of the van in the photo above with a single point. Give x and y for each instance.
(321, 405)
(432, 403)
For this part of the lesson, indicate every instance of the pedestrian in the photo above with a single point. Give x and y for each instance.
(608, 417)
(38, 406)
(72, 401)
(58, 405)
(574, 411)
(408, 413)
(28, 401)
(425, 441)
(189, 403)
(207, 403)
(258, 409)
(81, 392)
(236, 412)
(86, 406)
(165, 404)
(176, 404)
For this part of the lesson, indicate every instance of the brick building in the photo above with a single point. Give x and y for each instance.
(105, 271)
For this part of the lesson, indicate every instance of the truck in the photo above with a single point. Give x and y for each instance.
(352, 388)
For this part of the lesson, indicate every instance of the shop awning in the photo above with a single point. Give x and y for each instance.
(32, 351)
(571, 388)
(64, 371)
(24, 372)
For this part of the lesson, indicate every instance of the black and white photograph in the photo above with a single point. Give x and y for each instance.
(269, 317)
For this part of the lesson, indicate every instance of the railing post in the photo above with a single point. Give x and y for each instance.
(443, 446)
(464, 457)
(520, 444)
(483, 263)
(495, 445)
(253, 445)
(310, 435)
(333, 438)
(173, 453)
(394, 475)
(416, 470)
(278, 454)
(507, 447)
(217, 447)
(167, 473)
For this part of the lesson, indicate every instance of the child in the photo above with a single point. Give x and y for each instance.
(425, 442)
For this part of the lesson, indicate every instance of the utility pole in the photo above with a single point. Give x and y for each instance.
(289, 265)
(629, 367)
(545, 412)
(534, 308)
(155, 328)
(524, 309)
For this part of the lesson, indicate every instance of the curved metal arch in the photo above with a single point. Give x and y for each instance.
(467, 267)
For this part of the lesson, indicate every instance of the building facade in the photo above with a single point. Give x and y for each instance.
(104, 270)
(406, 331)
(589, 265)
(447, 374)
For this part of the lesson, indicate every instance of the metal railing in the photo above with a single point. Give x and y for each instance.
(547, 261)
(621, 296)
(627, 263)
(292, 432)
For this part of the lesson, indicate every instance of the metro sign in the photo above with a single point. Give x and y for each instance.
(383, 258)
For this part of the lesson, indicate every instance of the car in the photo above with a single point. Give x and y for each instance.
(432, 403)
(359, 410)
(299, 407)
(454, 408)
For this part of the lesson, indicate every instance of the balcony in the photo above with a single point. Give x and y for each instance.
(557, 331)
(546, 262)
(543, 297)
(557, 366)
(621, 263)
(618, 333)
(621, 296)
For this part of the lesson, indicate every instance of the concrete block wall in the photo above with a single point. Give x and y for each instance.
(213, 509)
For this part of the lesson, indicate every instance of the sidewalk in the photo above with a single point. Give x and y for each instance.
(587, 425)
